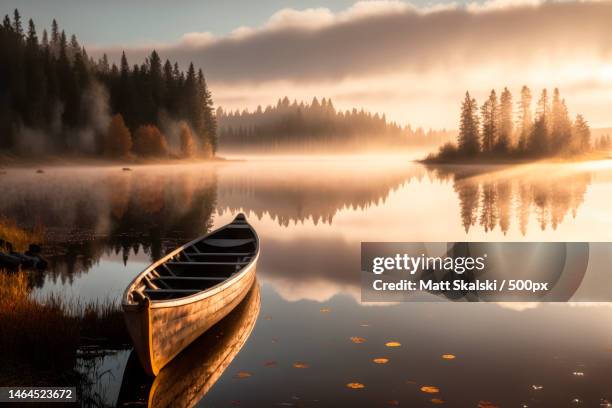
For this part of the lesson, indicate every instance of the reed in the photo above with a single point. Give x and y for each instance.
(39, 339)
(20, 238)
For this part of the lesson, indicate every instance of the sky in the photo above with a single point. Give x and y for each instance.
(412, 61)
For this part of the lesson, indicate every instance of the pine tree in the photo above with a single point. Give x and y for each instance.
(17, 27)
(561, 126)
(207, 108)
(55, 32)
(45, 39)
(525, 122)
(581, 135)
(489, 114)
(539, 139)
(468, 139)
(505, 134)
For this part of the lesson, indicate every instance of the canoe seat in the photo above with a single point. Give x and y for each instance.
(226, 243)
(192, 263)
(201, 278)
(172, 291)
(197, 254)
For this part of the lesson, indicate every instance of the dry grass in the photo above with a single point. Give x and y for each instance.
(39, 340)
(19, 237)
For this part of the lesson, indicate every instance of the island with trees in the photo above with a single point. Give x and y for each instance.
(56, 100)
(490, 133)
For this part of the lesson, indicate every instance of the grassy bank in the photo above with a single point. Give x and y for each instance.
(39, 339)
(19, 237)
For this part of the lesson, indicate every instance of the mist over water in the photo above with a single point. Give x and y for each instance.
(105, 225)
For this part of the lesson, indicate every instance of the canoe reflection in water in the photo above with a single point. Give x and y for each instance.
(189, 376)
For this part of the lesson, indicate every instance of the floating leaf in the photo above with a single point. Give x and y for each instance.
(299, 364)
(358, 340)
(270, 364)
(486, 404)
(380, 360)
(242, 374)
(449, 356)
(437, 401)
(430, 389)
(325, 310)
(393, 344)
(355, 385)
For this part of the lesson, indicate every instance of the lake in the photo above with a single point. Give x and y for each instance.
(306, 334)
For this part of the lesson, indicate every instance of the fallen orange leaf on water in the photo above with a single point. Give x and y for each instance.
(380, 360)
(355, 385)
(393, 344)
(437, 401)
(242, 374)
(324, 310)
(270, 364)
(486, 404)
(299, 364)
(448, 356)
(430, 389)
(358, 340)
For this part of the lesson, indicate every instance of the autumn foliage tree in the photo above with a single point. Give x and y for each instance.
(150, 142)
(188, 144)
(118, 141)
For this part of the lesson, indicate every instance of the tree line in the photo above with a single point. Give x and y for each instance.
(315, 125)
(54, 98)
(492, 130)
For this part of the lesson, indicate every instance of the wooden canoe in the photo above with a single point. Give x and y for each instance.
(179, 297)
(184, 381)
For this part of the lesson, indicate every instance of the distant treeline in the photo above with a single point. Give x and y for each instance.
(492, 131)
(315, 125)
(54, 98)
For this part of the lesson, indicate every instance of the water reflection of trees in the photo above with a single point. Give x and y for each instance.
(492, 198)
(112, 213)
(315, 191)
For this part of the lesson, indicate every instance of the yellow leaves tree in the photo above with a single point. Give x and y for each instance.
(150, 142)
(188, 144)
(118, 140)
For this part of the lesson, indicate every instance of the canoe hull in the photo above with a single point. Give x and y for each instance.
(161, 331)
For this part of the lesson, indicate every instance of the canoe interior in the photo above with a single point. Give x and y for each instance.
(199, 265)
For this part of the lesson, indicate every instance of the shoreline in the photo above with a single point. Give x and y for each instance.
(19, 162)
(508, 161)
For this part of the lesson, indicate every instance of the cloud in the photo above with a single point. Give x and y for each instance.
(412, 63)
(373, 38)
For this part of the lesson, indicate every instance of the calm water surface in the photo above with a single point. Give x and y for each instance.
(293, 342)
